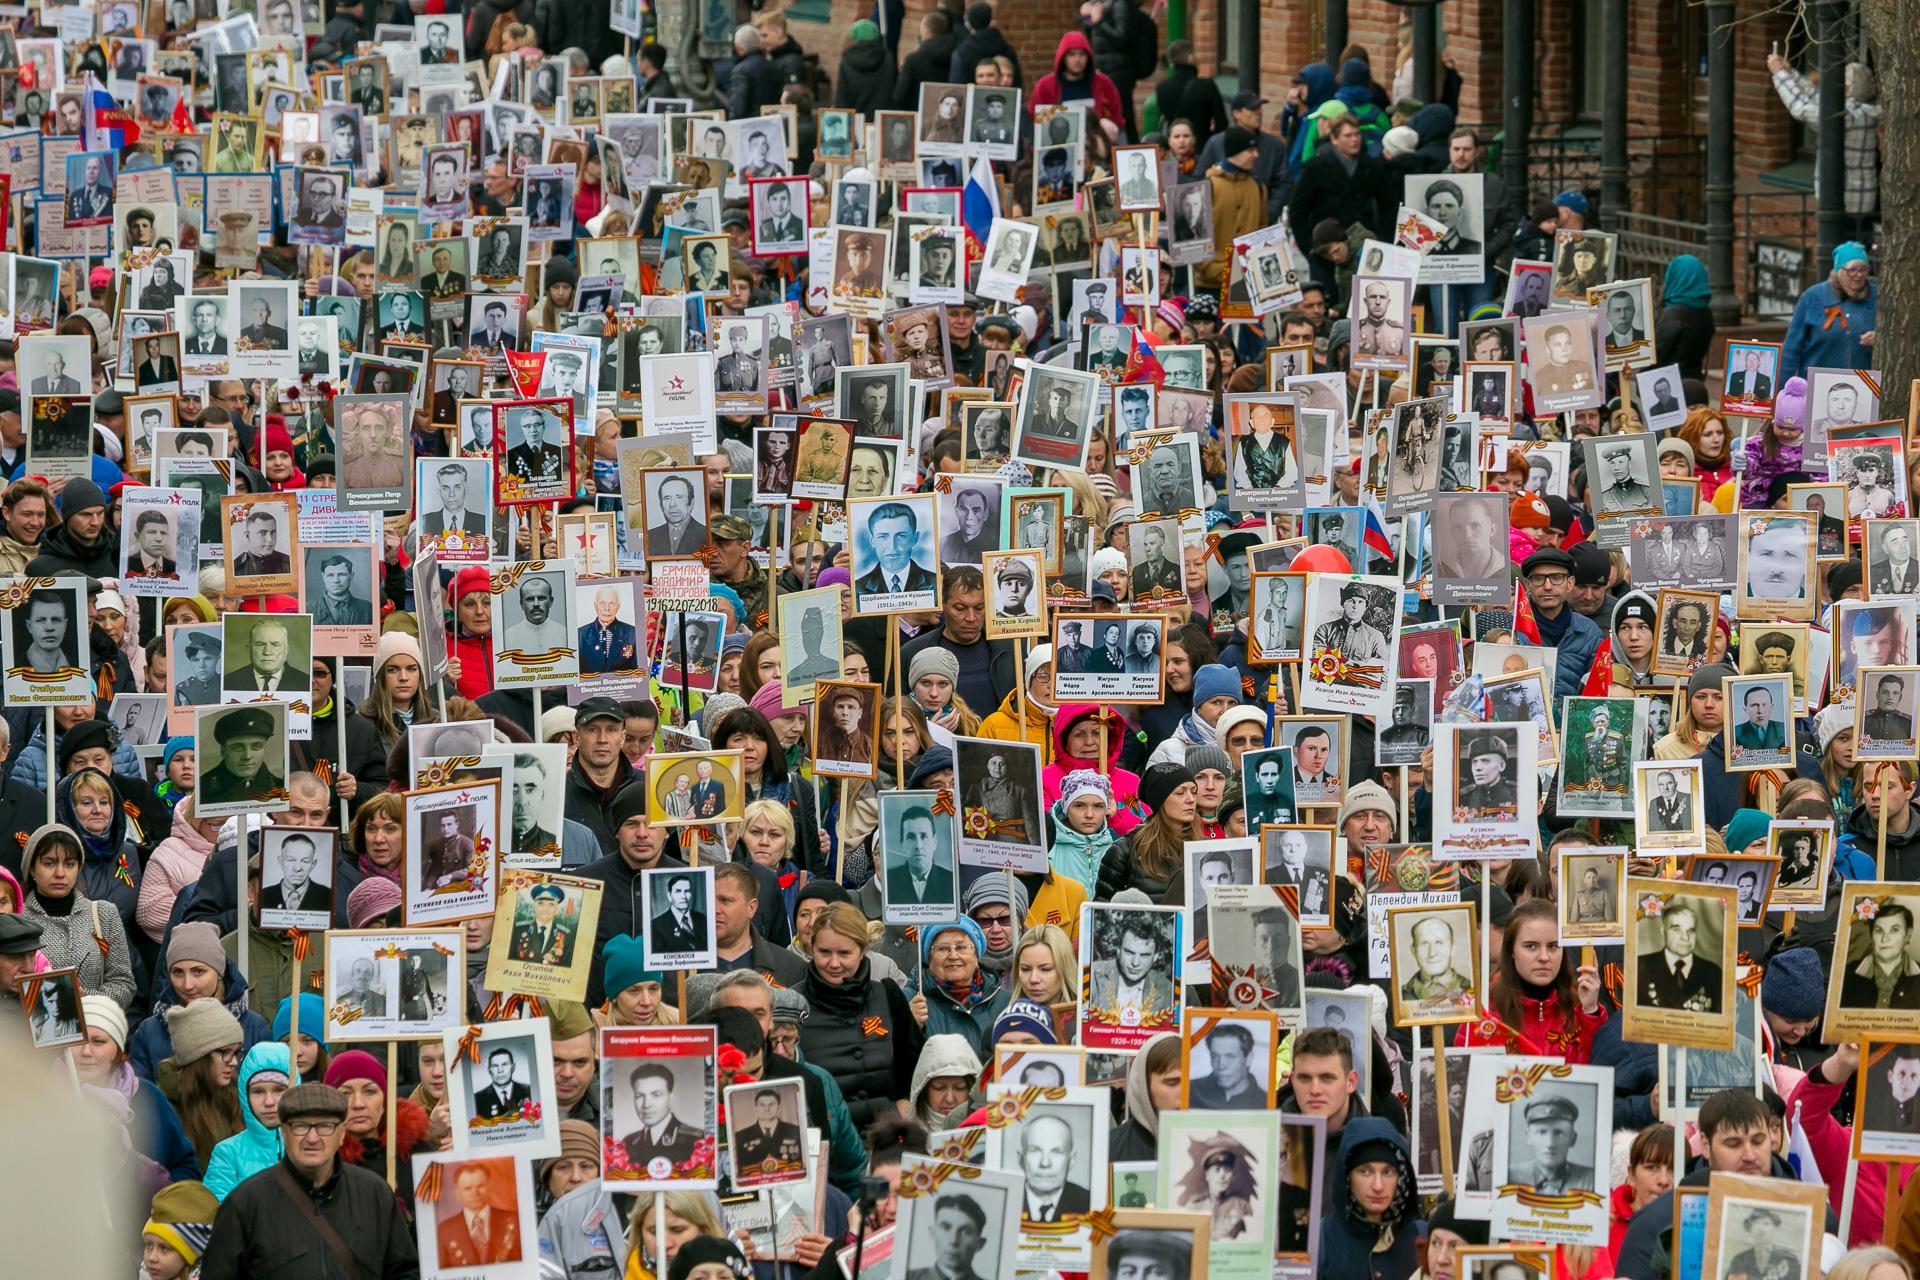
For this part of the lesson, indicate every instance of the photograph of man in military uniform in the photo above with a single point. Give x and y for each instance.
(1599, 756)
(1547, 1149)
(1489, 789)
(240, 764)
(766, 1135)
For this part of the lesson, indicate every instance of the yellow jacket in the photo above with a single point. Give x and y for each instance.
(1007, 726)
(1239, 206)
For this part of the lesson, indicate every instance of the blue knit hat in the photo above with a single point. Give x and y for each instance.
(313, 1017)
(1794, 987)
(1851, 251)
(1215, 681)
(928, 932)
(1746, 826)
(174, 747)
(931, 761)
(1029, 1016)
(624, 955)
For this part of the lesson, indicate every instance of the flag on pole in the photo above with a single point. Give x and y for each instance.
(979, 206)
(1523, 623)
(105, 126)
(1375, 535)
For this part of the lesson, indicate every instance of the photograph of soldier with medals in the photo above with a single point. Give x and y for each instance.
(1596, 774)
(1669, 815)
(1593, 896)
(1486, 781)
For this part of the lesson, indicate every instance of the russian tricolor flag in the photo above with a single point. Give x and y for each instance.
(106, 127)
(979, 206)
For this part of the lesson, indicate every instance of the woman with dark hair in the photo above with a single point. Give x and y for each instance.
(766, 777)
(1546, 1003)
(76, 930)
(1149, 857)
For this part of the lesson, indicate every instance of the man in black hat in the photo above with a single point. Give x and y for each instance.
(545, 939)
(242, 774)
(19, 943)
(281, 1212)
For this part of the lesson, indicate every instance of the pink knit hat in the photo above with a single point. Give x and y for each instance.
(770, 702)
(371, 899)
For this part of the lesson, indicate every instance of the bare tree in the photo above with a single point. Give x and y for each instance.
(1895, 40)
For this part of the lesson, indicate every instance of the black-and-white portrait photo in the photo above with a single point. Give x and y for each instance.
(296, 877)
(679, 918)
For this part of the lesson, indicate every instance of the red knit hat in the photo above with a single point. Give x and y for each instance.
(278, 441)
(1529, 512)
(470, 579)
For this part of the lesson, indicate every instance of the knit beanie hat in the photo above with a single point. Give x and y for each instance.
(629, 802)
(1635, 606)
(1789, 406)
(933, 661)
(199, 1027)
(770, 700)
(1107, 559)
(991, 890)
(181, 1217)
(559, 271)
(625, 967)
(820, 891)
(1401, 140)
(371, 899)
(1037, 658)
(1830, 723)
(964, 924)
(1843, 577)
(312, 1016)
(105, 1014)
(1443, 1218)
(1208, 757)
(790, 1008)
(1367, 797)
(174, 747)
(1678, 447)
(469, 580)
(1746, 826)
(198, 940)
(1215, 680)
(1709, 677)
(865, 29)
(1373, 1151)
(934, 759)
(1328, 231)
(1243, 714)
(358, 1064)
(555, 721)
(1161, 781)
(395, 644)
(80, 494)
(84, 736)
(1560, 513)
(1529, 513)
(578, 1140)
(704, 1249)
(1029, 1016)
(1082, 782)
(1794, 987)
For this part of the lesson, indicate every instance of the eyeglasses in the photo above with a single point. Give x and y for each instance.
(1549, 579)
(951, 949)
(227, 1055)
(993, 922)
(301, 1128)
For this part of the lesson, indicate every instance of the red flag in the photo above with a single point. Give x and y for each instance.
(1523, 623)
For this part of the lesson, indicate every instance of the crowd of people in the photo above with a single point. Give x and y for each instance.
(1200, 604)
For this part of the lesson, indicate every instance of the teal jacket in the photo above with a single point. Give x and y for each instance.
(255, 1147)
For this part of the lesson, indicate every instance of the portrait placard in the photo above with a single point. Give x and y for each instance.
(260, 531)
(694, 788)
(658, 1107)
(766, 1132)
(1224, 1167)
(500, 1088)
(1759, 1226)
(1669, 812)
(1550, 1155)
(1602, 738)
(955, 1215)
(1129, 974)
(920, 875)
(296, 877)
(1435, 971)
(894, 541)
(394, 984)
(846, 722)
(1680, 958)
(1593, 901)
(535, 641)
(51, 999)
(241, 756)
(1487, 780)
(1000, 807)
(453, 852)
(543, 931)
(1804, 850)
(47, 625)
(1886, 1108)
(678, 925)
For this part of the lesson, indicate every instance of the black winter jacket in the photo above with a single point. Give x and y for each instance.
(62, 553)
(865, 82)
(259, 1232)
(754, 83)
(925, 65)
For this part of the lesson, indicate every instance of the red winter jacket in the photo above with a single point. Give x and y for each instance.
(1543, 1030)
(1050, 90)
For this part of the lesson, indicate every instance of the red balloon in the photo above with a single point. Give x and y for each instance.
(1321, 559)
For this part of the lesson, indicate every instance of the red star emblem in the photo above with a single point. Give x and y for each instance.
(675, 383)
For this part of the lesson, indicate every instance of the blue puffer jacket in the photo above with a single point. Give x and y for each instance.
(255, 1147)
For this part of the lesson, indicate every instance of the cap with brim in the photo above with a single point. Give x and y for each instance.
(597, 709)
(731, 528)
(312, 1101)
(1546, 558)
(19, 935)
(243, 724)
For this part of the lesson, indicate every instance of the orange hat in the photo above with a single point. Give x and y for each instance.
(1529, 512)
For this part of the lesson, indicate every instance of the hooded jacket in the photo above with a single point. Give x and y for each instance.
(865, 82)
(1055, 88)
(1138, 1136)
(255, 1147)
(1356, 90)
(1321, 83)
(1007, 724)
(1625, 680)
(944, 1055)
(152, 1044)
(174, 866)
(1351, 1246)
(1128, 811)
(1434, 124)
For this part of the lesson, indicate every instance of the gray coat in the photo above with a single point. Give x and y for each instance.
(68, 942)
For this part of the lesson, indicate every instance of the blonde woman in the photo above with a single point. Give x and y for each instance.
(767, 834)
(1044, 967)
(680, 1216)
